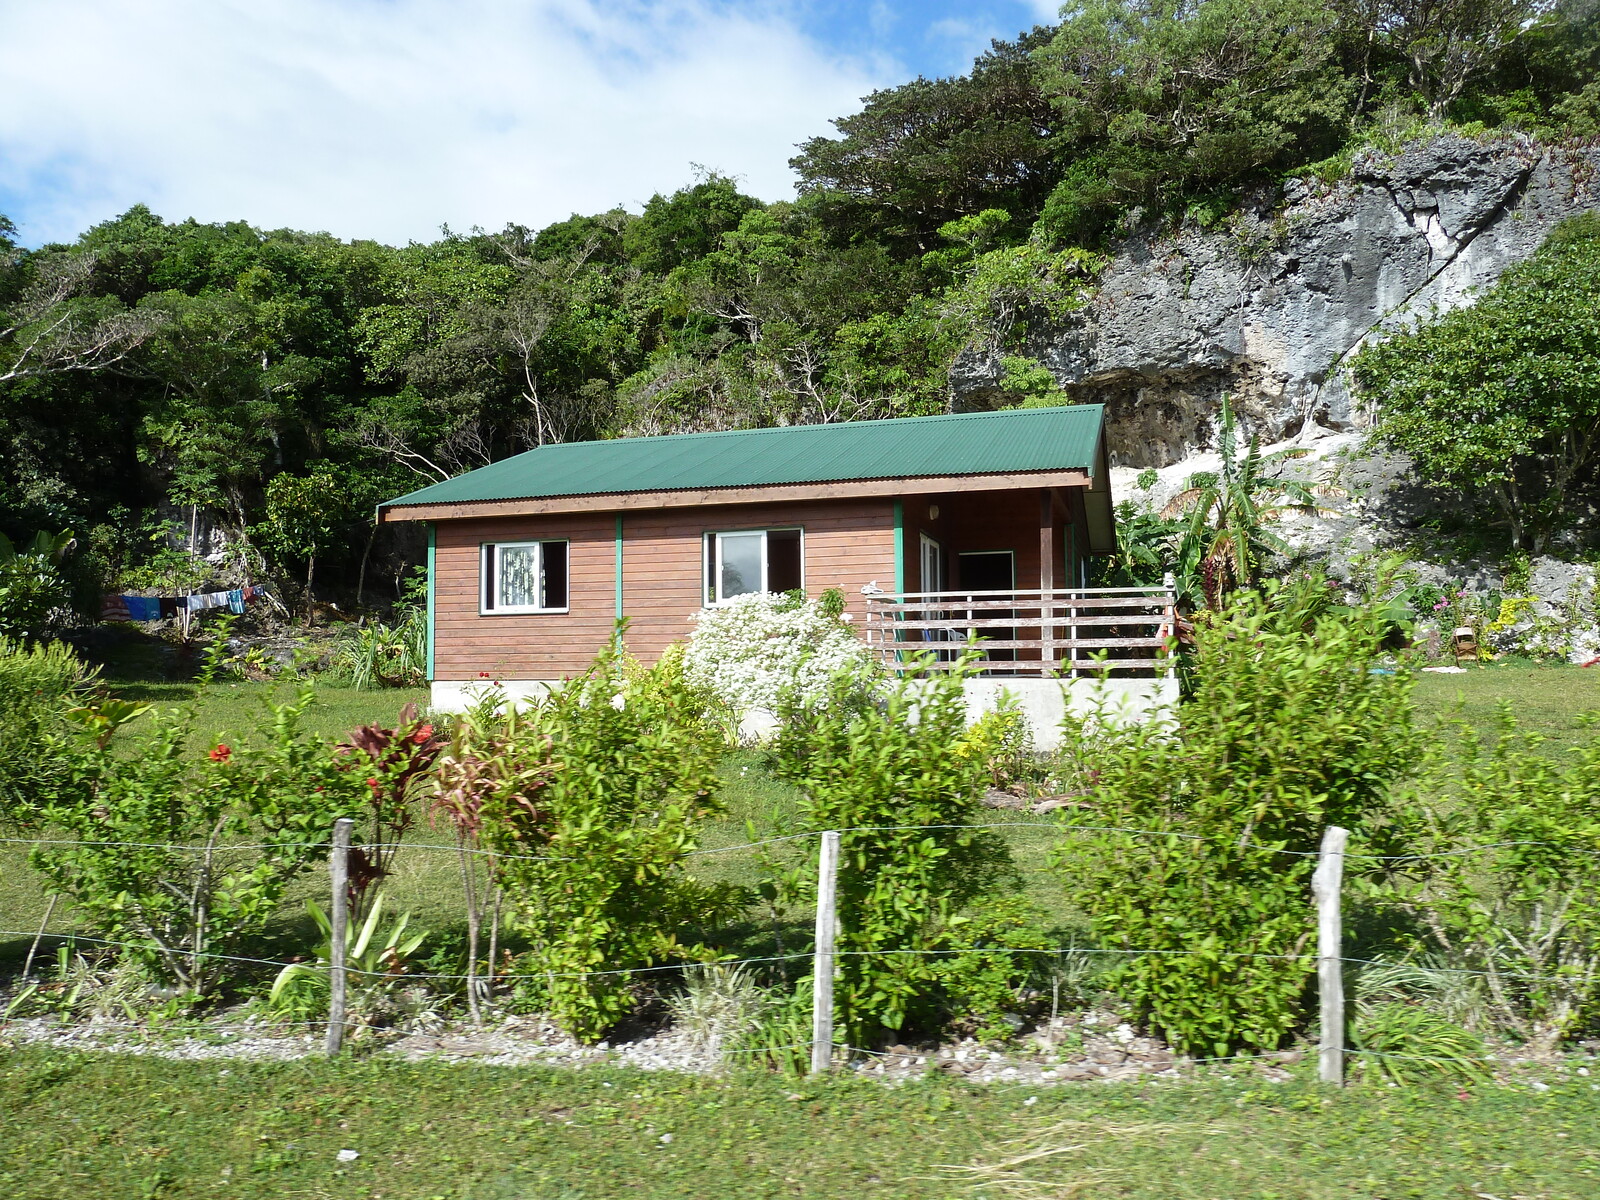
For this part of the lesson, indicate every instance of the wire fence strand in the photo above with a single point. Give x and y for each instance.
(1043, 826)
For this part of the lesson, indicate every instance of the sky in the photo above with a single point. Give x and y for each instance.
(389, 119)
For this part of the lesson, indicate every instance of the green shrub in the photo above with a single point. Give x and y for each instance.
(882, 771)
(1000, 742)
(378, 958)
(39, 685)
(31, 583)
(1291, 726)
(1505, 879)
(375, 655)
(1407, 1043)
(179, 859)
(597, 793)
(985, 960)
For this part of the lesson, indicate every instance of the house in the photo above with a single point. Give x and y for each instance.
(935, 528)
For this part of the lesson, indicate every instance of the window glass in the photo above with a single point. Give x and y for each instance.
(754, 560)
(524, 576)
(555, 575)
(783, 560)
(739, 564)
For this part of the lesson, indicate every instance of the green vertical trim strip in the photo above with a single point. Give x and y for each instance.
(432, 561)
(619, 566)
(899, 547)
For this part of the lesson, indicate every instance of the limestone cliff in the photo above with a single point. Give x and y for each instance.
(1271, 307)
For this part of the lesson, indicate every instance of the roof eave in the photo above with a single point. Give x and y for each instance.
(842, 489)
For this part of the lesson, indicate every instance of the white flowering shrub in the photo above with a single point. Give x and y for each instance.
(748, 651)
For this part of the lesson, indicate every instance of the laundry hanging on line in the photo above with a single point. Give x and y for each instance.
(115, 607)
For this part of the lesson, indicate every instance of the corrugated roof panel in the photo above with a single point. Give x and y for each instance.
(1029, 439)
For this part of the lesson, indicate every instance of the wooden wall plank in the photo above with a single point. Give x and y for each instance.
(847, 544)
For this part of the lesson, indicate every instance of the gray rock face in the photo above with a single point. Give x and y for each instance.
(1272, 309)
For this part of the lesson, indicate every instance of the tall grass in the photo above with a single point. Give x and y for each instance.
(376, 655)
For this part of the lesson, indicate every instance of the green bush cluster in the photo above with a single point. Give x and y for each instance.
(593, 864)
(177, 859)
(1292, 725)
(39, 686)
(878, 764)
(1521, 913)
(1187, 845)
(31, 583)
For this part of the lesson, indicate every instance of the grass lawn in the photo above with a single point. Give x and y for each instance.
(127, 1126)
(1548, 700)
(225, 710)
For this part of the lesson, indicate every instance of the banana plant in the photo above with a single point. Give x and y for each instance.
(52, 547)
(1226, 539)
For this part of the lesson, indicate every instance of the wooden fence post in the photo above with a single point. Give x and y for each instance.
(338, 920)
(822, 963)
(1325, 887)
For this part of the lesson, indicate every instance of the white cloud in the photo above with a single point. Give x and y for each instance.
(388, 118)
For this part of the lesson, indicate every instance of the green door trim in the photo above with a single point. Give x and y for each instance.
(899, 547)
(432, 564)
(619, 566)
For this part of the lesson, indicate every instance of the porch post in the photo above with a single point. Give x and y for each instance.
(1047, 580)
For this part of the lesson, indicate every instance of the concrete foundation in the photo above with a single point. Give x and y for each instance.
(450, 696)
(1043, 702)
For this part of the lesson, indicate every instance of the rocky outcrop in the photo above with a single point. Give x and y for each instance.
(1271, 307)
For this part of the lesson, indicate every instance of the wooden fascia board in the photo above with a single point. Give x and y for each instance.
(843, 489)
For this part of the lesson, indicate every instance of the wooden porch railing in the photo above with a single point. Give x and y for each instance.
(1047, 633)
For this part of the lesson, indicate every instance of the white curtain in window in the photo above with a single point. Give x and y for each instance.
(519, 577)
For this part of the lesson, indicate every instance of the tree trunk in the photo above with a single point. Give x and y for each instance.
(1507, 500)
(361, 578)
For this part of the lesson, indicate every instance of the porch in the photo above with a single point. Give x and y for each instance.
(1039, 633)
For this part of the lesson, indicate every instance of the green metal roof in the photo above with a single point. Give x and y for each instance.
(1027, 439)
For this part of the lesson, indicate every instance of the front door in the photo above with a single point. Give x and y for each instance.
(990, 571)
(932, 565)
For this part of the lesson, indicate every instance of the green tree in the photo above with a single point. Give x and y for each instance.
(1503, 397)
(933, 151)
(1445, 44)
(1160, 99)
(686, 225)
(306, 517)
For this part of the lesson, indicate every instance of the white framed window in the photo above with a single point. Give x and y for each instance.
(741, 561)
(523, 577)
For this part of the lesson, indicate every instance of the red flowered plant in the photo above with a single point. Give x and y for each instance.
(489, 785)
(220, 753)
(397, 759)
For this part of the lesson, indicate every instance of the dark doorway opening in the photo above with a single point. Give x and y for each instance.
(990, 571)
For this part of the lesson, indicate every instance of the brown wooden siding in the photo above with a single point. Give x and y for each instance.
(522, 645)
(847, 543)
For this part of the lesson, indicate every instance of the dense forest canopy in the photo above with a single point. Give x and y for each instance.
(155, 370)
